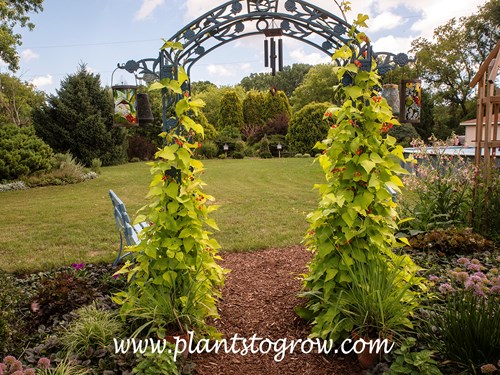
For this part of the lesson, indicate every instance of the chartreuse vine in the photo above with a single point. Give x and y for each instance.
(356, 218)
(174, 281)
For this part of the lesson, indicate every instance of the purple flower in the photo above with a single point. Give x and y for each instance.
(29, 371)
(433, 278)
(116, 276)
(9, 360)
(446, 288)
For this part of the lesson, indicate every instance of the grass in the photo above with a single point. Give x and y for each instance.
(263, 204)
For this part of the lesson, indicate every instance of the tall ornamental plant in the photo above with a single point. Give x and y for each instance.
(174, 281)
(353, 227)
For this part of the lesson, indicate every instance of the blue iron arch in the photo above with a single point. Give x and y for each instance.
(235, 19)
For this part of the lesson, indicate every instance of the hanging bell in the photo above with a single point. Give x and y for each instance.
(125, 105)
(144, 113)
(391, 93)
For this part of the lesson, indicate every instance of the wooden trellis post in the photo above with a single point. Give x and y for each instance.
(488, 108)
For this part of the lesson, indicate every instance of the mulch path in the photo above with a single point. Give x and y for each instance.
(259, 297)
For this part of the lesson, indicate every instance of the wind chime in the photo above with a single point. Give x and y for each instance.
(130, 107)
(270, 50)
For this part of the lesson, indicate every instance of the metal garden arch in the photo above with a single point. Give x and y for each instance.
(237, 19)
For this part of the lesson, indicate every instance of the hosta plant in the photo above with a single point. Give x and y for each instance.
(175, 262)
(356, 218)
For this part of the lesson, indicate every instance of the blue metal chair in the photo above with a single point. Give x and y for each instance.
(127, 231)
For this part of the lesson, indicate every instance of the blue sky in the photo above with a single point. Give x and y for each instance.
(102, 33)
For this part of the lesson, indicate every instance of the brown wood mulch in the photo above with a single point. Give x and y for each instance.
(259, 297)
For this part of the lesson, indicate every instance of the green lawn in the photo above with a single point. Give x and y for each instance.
(263, 204)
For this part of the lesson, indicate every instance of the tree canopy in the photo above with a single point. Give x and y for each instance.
(79, 119)
(15, 14)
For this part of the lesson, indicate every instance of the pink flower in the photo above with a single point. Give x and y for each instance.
(446, 288)
(43, 363)
(474, 267)
(463, 261)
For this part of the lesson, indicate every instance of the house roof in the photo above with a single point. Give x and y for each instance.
(472, 122)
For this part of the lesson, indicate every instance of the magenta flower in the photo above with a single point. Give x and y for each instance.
(77, 266)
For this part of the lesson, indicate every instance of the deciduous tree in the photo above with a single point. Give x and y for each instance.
(15, 14)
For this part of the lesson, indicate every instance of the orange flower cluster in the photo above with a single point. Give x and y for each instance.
(386, 127)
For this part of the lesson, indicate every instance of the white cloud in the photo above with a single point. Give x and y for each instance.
(384, 21)
(393, 44)
(438, 12)
(42, 81)
(147, 7)
(29, 55)
(246, 67)
(300, 56)
(196, 8)
(220, 71)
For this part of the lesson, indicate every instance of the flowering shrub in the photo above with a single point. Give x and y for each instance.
(464, 325)
(439, 192)
(470, 275)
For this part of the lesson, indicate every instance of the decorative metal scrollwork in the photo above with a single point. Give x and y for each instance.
(228, 22)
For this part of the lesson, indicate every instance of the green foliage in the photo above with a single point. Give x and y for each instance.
(174, 272)
(65, 367)
(230, 111)
(92, 329)
(156, 363)
(9, 299)
(238, 155)
(264, 148)
(208, 149)
(413, 362)
(306, 128)
(378, 301)
(17, 100)
(254, 108)
(316, 87)
(466, 329)
(287, 80)
(95, 165)
(277, 104)
(12, 16)
(79, 120)
(448, 61)
(356, 218)
(404, 134)
(486, 206)
(65, 170)
(21, 152)
(201, 86)
(441, 188)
